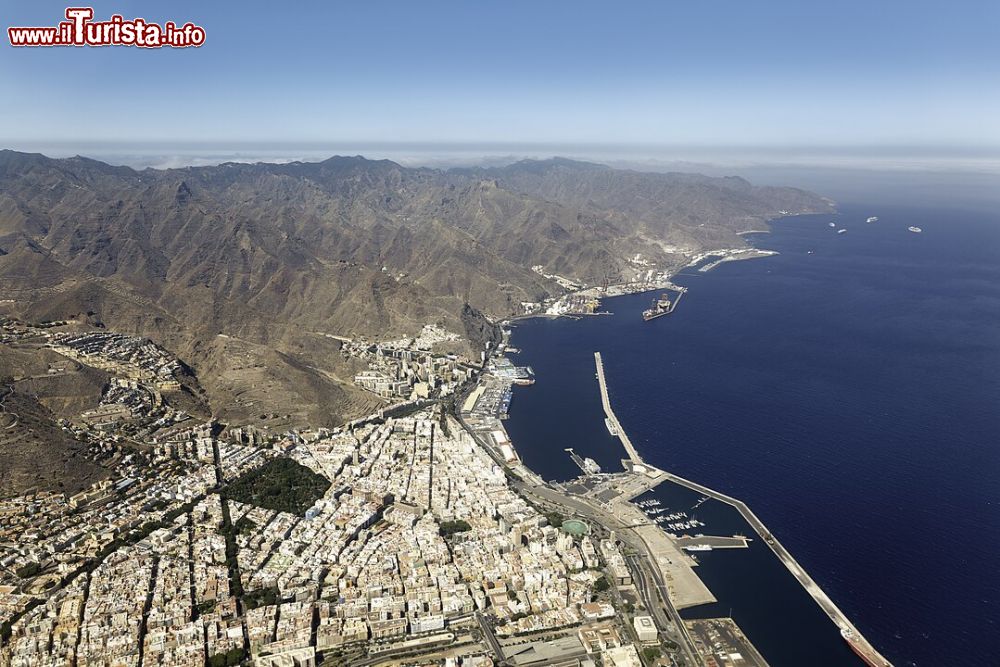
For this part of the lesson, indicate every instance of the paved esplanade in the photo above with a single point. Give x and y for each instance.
(851, 634)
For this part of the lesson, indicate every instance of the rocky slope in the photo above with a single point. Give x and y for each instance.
(240, 269)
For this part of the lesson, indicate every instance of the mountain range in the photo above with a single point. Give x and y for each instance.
(248, 271)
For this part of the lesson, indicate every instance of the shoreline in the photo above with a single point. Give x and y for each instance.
(664, 279)
(849, 632)
(854, 638)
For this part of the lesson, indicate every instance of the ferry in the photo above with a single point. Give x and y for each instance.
(841, 231)
(873, 218)
(611, 427)
(697, 547)
(591, 467)
(915, 230)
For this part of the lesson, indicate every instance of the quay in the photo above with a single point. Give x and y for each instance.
(632, 453)
(712, 541)
(851, 635)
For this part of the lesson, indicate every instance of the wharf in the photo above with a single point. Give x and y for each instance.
(851, 635)
(629, 448)
(714, 541)
(580, 463)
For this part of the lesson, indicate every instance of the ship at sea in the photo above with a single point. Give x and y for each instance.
(873, 218)
(915, 230)
(841, 231)
(833, 224)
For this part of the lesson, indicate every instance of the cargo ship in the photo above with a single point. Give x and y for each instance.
(660, 307)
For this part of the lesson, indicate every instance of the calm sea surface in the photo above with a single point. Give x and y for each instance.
(848, 390)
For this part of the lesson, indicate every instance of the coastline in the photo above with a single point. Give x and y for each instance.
(854, 638)
(857, 642)
(664, 280)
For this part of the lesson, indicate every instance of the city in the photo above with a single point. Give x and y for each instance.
(416, 539)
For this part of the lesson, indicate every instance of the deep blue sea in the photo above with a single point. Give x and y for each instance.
(848, 389)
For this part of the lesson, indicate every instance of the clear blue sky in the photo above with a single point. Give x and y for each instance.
(797, 72)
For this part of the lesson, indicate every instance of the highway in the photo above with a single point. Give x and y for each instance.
(652, 589)
(548, 496)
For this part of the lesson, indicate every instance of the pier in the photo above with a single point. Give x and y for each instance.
(632, 453)
(851, 635)
(673, 306)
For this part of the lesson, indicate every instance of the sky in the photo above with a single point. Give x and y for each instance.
(787, 75)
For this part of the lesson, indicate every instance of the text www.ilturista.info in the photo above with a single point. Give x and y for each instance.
(80, 30)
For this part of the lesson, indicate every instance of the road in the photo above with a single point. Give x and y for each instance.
(652, 588)
(647, 591)
(489, 637)
(546, 495)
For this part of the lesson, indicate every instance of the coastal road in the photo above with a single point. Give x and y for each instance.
(489, 637)
(653, 589)
(647, 590)
(547, 495)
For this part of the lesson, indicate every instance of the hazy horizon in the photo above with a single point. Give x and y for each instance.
(167, 155)
(786, 74)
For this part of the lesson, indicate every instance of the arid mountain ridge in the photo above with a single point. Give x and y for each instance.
(240, 269)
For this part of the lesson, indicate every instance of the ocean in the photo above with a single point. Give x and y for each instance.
(847, 389)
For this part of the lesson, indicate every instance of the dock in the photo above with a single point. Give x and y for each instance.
(713, 541)
(609, 413)
(581, 463)
(673, 306)
(851, 635)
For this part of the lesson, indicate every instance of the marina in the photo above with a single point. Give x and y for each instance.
(689, 394)
(849, 632)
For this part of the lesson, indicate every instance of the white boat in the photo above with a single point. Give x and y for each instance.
(611, 427)
(915, 230)
(697, 547)
(833, 224)
(841, 231)
(873, 218)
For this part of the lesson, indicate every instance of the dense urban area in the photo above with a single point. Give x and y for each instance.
(414, 535)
